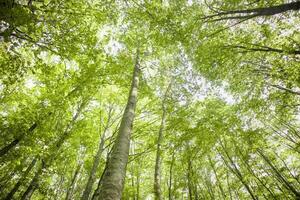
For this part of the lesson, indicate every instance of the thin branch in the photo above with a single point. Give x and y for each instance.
(286, 89)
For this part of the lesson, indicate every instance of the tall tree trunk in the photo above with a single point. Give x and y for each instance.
(114, 177)
(189, 179)
(228, 185)
(252, 172)
(132, 171)
(232, 166)
(19, 183)
(92, 176)
(7, 177)
(157, 172)
(280, 176)
(171, 175)
(16, 141)
(58, 189)
(48, 160)
(189, 175)
(239, 175)
(97, 190)
(209, 187)
(73, 182)
(33, 184)
(137, 184)
(217, 177)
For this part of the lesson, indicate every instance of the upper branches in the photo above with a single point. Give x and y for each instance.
(252, 13)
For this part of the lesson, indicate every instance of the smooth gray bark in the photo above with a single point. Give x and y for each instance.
(97, 190)
(114, 177)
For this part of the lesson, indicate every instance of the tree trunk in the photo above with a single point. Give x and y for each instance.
(189, 179)
(217, 177)
(16, 141)
(232, 166)
(256, 12)
(280, 176)
(114, 177)
(48, 160)
(132, 171)
(190, 174)
(286, 89)
(58, 189)
(255, 47)
(252, 172)
(19, 183)
(97, 190)
(208, 185)
(6, 177)
(33, 184)
(137, 184)
(157, 172)
(228, 186)
(92, 177)
(171, 175)
(73, 182)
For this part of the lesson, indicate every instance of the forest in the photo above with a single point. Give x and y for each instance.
(150, 99)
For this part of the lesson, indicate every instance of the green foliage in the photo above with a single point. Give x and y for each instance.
(232, 108)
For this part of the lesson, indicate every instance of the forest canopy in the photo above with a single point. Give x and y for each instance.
(140, 99)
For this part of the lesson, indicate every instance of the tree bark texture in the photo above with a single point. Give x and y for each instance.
(114, 177)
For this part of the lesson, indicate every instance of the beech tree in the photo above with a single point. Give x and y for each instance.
(149, 99)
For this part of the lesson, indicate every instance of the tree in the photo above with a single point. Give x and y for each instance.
(256, 12)
(157, 173)
(96, 162)
(113, 179)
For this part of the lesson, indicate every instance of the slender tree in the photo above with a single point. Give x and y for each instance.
(157, 171)
(47, 161)
(21, 180)
(114, 176)
(71, 188)
(92, 176)
(16, 141)
(256, 12)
